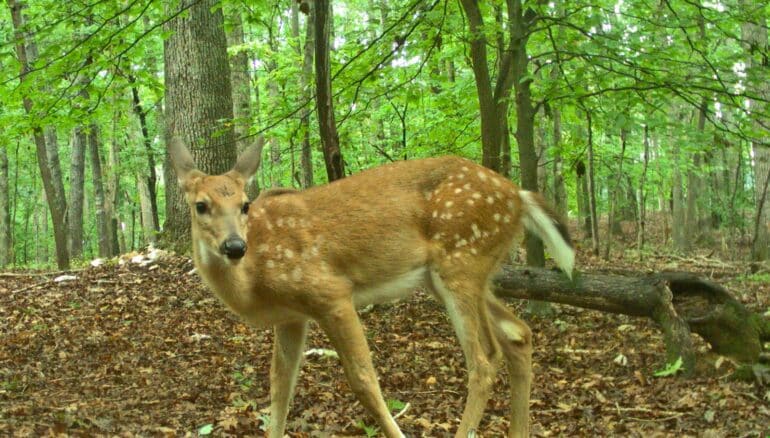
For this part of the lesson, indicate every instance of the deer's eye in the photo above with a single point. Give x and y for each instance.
(245, 208)
(201, 207)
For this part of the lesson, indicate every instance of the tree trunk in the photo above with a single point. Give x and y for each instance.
(241, 82)
(151, 178)
(559, 190)
(306, 159)
(45, 144)
(592, 189)
(102, 225)
(326, 121)
(614, 195)
(754, 38)
(678, 208)
(640, 230)
(5, 211)
(199, 104)
(490, 120)
(77, 182)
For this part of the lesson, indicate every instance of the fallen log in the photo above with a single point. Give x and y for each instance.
(680, 303)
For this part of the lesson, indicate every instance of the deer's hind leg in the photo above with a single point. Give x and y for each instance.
(463, 297)
(515, 340)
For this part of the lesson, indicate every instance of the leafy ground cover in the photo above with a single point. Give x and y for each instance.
(135, 349)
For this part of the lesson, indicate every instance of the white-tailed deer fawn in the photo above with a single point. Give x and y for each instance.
(292, 256)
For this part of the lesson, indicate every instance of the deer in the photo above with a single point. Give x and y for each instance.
(294, 256)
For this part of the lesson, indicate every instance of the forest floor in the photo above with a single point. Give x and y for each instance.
(143, 349)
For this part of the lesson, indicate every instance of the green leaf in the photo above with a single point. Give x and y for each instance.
(670, 369)
(206, 429)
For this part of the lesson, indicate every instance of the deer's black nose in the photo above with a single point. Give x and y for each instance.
(234, 247)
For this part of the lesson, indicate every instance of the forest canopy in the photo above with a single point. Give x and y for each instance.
(618, 109)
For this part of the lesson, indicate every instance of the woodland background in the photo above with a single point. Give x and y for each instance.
(644, 122)
(618, 110)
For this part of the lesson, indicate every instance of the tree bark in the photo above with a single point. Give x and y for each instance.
(44, 138)
(5, 211)
(103, 234)
(678, 302)
(326, 121)
(678, 205)
(754, 38)
(614, 195)
(559, 190)
(306, 160)
(199, 103)
(592, 189)
(640, 230)
(77, 183)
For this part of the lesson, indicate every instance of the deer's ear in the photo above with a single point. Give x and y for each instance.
(182, 161)
(248, 162)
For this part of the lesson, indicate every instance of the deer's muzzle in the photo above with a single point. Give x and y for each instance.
(233, 247)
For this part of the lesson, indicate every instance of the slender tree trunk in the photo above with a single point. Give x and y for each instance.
(754, 38)
(592, 189)
(240, 79)
(77, 182)
(614, 194)
(198, 102)
(5, 210)
(327, 126)
(306, 160)
(559, 190)
(102, 225)
(45, 145)
(640, 230)
(151, 177)
(678, 207)
(490, 120)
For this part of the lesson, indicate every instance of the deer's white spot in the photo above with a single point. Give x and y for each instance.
(289, 253)
(458, 190)
(511, 330)
(449, 204)
(435, 213)
(476, 195)
(476, 230)
(263, 248)
(469, 201)
(496, 182)
(506, 219)
(270, 264)
(461, 243)
(496, 217)
(296, 274)
(490, 200)
(482, 175)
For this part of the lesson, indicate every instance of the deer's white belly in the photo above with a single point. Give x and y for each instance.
(391, 289)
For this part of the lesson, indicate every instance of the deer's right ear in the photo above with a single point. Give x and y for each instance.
(181, 160)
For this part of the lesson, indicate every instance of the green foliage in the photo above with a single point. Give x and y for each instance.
(670, 369)
(403, 88)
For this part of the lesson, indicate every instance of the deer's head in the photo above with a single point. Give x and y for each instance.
(218, 204)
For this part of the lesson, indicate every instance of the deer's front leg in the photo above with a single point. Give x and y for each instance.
(288, 346)
(345, 332)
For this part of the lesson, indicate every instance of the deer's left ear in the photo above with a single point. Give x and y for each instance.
(248, 162)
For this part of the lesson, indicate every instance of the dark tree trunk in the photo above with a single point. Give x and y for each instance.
(307, 79)
(614, 195)
(326, 121)
(199, 105)
(152, 178)
(640, 236)
(592, 189)
(5, 211)
(45, 145)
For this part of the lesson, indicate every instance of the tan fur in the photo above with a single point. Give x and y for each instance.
(315, 254)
